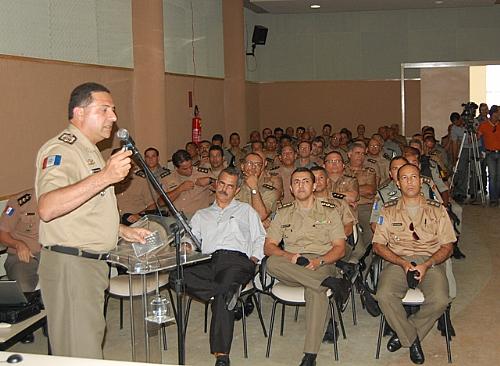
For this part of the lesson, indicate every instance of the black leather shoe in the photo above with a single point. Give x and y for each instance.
(341, 289)
(232, 295)
(394, 344)
(416, 353)
(309, 359)
(222, 360)
(249, 306)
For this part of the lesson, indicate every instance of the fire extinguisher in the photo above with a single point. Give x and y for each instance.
(196, 126)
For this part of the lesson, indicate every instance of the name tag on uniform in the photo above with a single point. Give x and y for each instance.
(96, 170)
(284, 226)
(397, 224)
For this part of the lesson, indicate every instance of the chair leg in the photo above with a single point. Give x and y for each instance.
(172, 302)
(244, 323)
(271, 326)
(341, 321)
(121, 313)
(332, 320)
(446, 331)
(186, 315)
(259, 312)
(296, 313)
(206, 316)
(379, 339)
(282, 319)
(353, 306)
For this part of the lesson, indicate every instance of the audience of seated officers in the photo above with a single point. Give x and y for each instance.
(413, 235)
(19, 232)
(312, 231)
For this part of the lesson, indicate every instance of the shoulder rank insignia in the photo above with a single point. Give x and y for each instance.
(285, 205)
(433, 203)
(274, 168)
(268, 186)
(391, 203)
(392, 193)
(338, 195)
(373, 161)
(270, 160)
(202, 170)
(328, 204)
(349, 176)
(385, 183)
(140, 173)
(196, 163)
(426, 179)
(371, 170)
(68, 138)
(273, 174)
(387, 156)
(23, 199)
(165, 173)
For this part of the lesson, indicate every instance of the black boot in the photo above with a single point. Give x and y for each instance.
(309, 359)
(416, 353)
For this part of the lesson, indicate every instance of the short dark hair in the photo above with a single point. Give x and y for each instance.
(319, 139)
(408, 150)
(303, 169)
(286, 137)
(205, 142)
(234, 134)
(231, 170)
(81, 96)
(216, 148)
(179, 157)
(318, 168)
(218, 137)
(333, 152)
(152, 149)
(407, 164)
(455, 116)
(327, 125)
(304, 142)
(271, 137)
(396, 158)
(278, 129)
(301, 128)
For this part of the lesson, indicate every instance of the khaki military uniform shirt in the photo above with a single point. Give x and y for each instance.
(383, 166)
(364, 176)
(65, 160)
(343, 209)
(270, 188)
(431, 224)
(133, 194)
(285, 174)
(307, 231)
(20, 219)
(239, 155)
(189, 201)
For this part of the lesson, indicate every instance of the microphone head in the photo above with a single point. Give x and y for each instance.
(122, 134)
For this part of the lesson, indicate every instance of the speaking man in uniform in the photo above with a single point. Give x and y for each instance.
(311, 230)
(79, 222)
(414, 235)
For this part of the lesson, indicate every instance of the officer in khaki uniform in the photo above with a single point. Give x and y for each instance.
(19, 232)
(285, 170)
(312, 229)
(188, 187)
(339, 182)
(260, 190)
(79, 222)
(375, 159)
(412, 229)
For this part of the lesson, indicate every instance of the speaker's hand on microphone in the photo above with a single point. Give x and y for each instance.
(117, 166)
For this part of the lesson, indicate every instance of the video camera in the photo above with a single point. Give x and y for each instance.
(468, 114)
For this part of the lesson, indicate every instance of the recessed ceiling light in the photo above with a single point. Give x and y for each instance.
(438, 2)
(315, 6)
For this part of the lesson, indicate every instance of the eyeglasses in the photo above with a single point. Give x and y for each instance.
(333, 161)
(414, 234)
(253, 163)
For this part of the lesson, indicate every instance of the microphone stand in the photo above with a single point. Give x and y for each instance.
(179, 283)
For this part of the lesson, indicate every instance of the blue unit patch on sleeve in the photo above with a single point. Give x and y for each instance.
(9, 211)
(52, 160)
(380, 220)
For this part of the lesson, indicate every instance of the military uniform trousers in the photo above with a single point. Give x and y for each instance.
(392, 288)
(364, 213)
(315, 295)
(73, 294)
(25, 274)
(213, 279)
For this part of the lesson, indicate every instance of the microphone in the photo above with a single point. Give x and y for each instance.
(127, 140)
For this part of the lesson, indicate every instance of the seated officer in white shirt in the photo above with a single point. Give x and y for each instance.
(232, 232)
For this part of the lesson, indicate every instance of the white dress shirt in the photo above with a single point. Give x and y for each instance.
(236, 227)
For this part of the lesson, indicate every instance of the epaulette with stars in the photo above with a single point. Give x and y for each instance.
(391, 203)
(386, 156)
(140, 173)
(349, 176)
(202, 170)
(268, 186)
(285, 205)
(328, 204)
(373, 161)
(23, 199)
(165, 173)
(426, 179)
(338, 195)
(433, 203)
(371, 170)
(68, 138)
(274, 168)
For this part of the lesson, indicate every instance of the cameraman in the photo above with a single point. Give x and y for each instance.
(461, 177)
(490, 132)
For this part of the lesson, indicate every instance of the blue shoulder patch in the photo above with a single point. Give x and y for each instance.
(380, 220)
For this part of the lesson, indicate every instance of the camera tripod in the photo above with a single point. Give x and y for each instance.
(473, 170)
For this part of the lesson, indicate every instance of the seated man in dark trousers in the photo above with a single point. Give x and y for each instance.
(414, 235)
(314, 240)
(232, 232)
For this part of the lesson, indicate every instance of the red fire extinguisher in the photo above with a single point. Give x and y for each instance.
(196, 126)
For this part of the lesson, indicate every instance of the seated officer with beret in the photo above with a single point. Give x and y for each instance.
(311, 230)
(414, 235)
